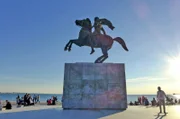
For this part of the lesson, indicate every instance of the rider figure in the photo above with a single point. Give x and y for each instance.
(98, 28)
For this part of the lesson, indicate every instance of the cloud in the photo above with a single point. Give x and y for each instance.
(145, 79)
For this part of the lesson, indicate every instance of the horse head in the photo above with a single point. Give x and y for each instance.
(85, 23)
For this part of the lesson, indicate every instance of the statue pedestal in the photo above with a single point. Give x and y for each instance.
(94, 86)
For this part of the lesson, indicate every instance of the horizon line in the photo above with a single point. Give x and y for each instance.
(62, 93)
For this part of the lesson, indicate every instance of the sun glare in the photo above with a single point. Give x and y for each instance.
(174, 67)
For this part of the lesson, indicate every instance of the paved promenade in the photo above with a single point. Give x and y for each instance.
(56, 112)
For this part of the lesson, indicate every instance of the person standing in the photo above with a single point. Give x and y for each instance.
(38, 98)
(161, 96)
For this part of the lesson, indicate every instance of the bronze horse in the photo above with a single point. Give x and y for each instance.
(86, 38)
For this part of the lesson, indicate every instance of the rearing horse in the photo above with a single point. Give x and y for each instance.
(86, 38)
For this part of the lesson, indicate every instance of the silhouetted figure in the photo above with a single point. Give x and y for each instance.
(170, 101)
(62, 99)
(34, 98)
(54, 99)
(49, 102)
(176, 101)
(143, 100)
(139, 100)
(17, 99)
(161, 99)
(136, 103)
(131, 103)
(8, 105)
(0, 106)
(38, 98)
(154, 103)
(146, 102)
(25, 99)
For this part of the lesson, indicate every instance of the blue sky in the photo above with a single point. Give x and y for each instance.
(33, 35)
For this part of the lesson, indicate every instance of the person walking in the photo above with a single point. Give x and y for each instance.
(161, 96)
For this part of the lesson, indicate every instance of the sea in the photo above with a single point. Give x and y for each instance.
(44, 97)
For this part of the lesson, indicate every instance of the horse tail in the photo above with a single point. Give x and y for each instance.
(121, 41)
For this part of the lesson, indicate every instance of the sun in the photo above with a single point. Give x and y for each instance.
(174, 67)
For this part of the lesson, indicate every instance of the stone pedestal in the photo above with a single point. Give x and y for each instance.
(94, 86)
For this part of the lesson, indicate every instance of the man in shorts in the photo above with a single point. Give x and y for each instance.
(161, 96)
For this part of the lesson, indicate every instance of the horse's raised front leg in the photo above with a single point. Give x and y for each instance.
(75, 41)
(67, 45)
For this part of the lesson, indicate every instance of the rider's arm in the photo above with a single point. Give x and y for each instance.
(103, 31)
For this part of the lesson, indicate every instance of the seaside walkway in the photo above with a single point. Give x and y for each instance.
(56, 112)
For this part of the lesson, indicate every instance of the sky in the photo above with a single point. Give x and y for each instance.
(33, 35)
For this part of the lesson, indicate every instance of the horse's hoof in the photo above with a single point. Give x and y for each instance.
(65, 48)
(96, 62)
(69, 49)
(91, 52)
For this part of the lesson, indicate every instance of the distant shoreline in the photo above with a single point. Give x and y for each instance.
(62, 93)
(29, 93)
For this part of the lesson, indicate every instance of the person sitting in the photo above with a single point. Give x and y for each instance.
(49, 102)
(169, 101)
(17, 99)
(146, 102)
(154, 102)
(176, 101)
(31, 101)
(56, 99)
(136, 103)
(0, 106)
(131, 103)
(25, 99)
(19, 102)
(53, 101)
(172, 101)
(8, 105)
(139, 100)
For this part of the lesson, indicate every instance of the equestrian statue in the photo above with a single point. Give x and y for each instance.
(95, 39)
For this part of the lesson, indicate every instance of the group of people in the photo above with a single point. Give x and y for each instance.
(52, 101)
(171, 101)
(141, 101)
(162, 99)
(27, 100)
